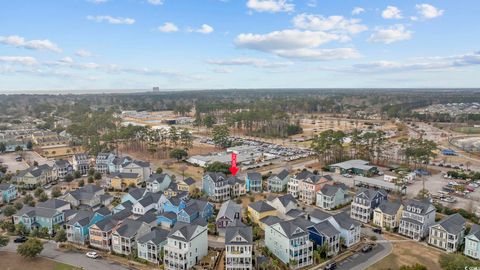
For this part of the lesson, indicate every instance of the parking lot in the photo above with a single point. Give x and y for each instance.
(8, 160)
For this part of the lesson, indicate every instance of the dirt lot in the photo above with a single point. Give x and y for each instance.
(408, 253)
(29, 157)
(11, 261)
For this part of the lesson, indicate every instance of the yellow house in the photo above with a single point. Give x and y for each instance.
(186, 185)
(387, 215)
(260, 209)
(121, 181)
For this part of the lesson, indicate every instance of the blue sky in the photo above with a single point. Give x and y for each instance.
(198, 44)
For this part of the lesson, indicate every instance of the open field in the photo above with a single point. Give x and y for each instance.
(468, 130)
(408, 253)
(12, 261)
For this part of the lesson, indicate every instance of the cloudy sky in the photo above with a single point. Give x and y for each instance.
(198, 44)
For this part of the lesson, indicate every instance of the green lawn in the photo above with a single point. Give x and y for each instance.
(468, 130)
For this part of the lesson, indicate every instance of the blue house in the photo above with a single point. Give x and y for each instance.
(188, 214)
(134, 195)
(216, 186)
(195, 209)
(78, 227)
(253, 182)
(8, 192)
(325, 233)
(38, 217)
(174, 204)
(167, 219)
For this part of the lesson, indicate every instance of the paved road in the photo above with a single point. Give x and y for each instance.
(71, 257)
(360, 261)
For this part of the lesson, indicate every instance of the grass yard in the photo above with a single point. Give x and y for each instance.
(408, 253)
(468, 130)
(12, 261)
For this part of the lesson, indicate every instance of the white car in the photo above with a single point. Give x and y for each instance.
(92, 255)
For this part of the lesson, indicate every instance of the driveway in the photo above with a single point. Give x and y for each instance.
(71, 257)
(360, 261)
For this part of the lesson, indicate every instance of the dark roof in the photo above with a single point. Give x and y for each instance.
(319, 214)
(191, 209)
(104, 211)
(125, 213)
(6, 186)
(157, 236)
(232, 180)
(61, 163)
(261, 206)
(37, 211)
(148, 217)
(282, 174)
(240, 229)
(186, 230)
(129, 228)
(345, 221)
(136, 193)
(475, 230)
(169, 215)
(52, 204)
(83, 218)
(423, 205)
(453, 224)
(158, 177)
(286, 199)
(127, 205)
(228, 209)
(294, 213)
(370, 193)
(326, 228)
(270, 220)
(290, 227)
(189, 181)
(254, 176)
(389, 208)
(331, 190)
(125, 175)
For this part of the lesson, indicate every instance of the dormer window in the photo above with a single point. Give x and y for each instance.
(408, 208)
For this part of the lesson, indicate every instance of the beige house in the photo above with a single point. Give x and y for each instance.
(387, 215)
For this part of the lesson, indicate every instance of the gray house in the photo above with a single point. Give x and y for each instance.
(278, 182)
(331, 196)
(238, 246)
(228, 212)
(365, 201)
(417, 217)
(448, 234)
(151, 245)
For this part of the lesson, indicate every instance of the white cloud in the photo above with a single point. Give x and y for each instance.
(390, 34)
(67, 60)
(427, 11)
(156, 2)
(272, 6)
(357, 10)
(392, 12)
(246, 61)
(22, 60)
(296, 44)
(110, 19)
(168, 27)
(336, 24)
(204, 29)
(222, 70)
(430, 63)
(97, 1)
(34, 44)
(83, 53)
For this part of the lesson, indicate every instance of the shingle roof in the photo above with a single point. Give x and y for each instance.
(261, 206)
(107, 224)
(168, 215)
(157, 236)
(104, 211)
(83, 218)
(286, 199)
(125, 213)
(290, 227)
(423, 205)
(326, 228)
(228, 209)
(475, 230)
(370, 193)
(319, 214)
(37, 211)
(129, 228)
(232, 180)
(136, 193)
(52, 204)
(216, 176)
(389, 208)
(125, 175)
(189, 181)
(186, 230)
(453, 224)
(240, 229)
(5, 186)
(295, 213)
(331, 190)
(148, 217)
(156, 177)
(254, 176)
(282, 174)
(345, 221)
(270, 220)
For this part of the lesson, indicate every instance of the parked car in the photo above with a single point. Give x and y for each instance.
(21, 239)
(92, 255)
(377, 230)
(331, 266)
(367, 248)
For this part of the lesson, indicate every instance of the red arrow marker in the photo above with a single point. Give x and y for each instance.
(234, 168)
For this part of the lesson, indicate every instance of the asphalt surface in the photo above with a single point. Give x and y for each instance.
(71, 257)
(360, 261)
